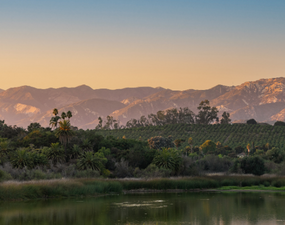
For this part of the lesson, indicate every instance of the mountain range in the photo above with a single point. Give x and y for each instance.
(263, 100)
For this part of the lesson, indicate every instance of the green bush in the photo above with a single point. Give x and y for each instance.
(208, 146)
(278, 183)
(168, 159)
(5, 176)
(152, 171)
(253, 164)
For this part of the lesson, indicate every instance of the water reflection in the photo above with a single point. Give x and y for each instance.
(151, 209)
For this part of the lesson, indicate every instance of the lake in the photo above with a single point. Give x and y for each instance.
(151, 209)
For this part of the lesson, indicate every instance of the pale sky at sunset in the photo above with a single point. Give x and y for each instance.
(113, 44)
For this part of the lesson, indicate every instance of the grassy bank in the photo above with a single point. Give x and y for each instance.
(66, 188)
(253, 188)
(203, 182)
(57, 189)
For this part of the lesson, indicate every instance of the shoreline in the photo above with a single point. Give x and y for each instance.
(147, 191)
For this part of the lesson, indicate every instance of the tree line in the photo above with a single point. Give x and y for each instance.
(206, 115)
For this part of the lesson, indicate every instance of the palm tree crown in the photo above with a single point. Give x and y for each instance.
(69, 114)
(55, 111)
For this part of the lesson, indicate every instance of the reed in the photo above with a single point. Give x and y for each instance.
(57, 189)
(202, 182)
(65, 188)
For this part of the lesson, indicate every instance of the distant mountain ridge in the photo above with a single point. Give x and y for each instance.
(263, 100)
(23, 105)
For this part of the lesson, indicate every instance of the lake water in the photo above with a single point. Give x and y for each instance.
(151, 209)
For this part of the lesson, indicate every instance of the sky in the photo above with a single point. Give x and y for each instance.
(182, 44)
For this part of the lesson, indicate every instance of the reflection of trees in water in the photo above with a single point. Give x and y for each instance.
(204, 208)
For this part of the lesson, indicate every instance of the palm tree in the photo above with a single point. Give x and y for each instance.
(21, 158)
(89, 160)
(63, 115)
(76, 150)
(55, 112)
(168, 159)
(55, 153)
(64, 133)
(54, 121)
(4, 147)
(69, 115)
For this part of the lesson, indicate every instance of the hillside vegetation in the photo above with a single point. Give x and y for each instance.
(232, 135)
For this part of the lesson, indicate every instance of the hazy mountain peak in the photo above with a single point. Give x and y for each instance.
(83, 87)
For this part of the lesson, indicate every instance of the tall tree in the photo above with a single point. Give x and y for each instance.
(100, 124)
(64, 133)
(110, 123)
(225, 118)
(63, 115)
(206, 114)
(55, 112)
(69, 115)
(54, 121)
(34, 126)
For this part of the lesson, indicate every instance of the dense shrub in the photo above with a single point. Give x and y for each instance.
(123, 169)
(253, 164)
(276, 155)
(152, 171)
(5, 176)
(214, 163)
(208, 146)
(159, 142)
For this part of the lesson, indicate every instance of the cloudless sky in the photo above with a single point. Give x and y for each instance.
(113, 44)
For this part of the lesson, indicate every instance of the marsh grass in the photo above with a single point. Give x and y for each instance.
(164, 184)
(64, 188)
(57, 189)
(203, 182)
(260, 187)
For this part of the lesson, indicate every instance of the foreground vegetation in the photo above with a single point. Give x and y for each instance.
(39, 153)
(92, 187)
(173, 147)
